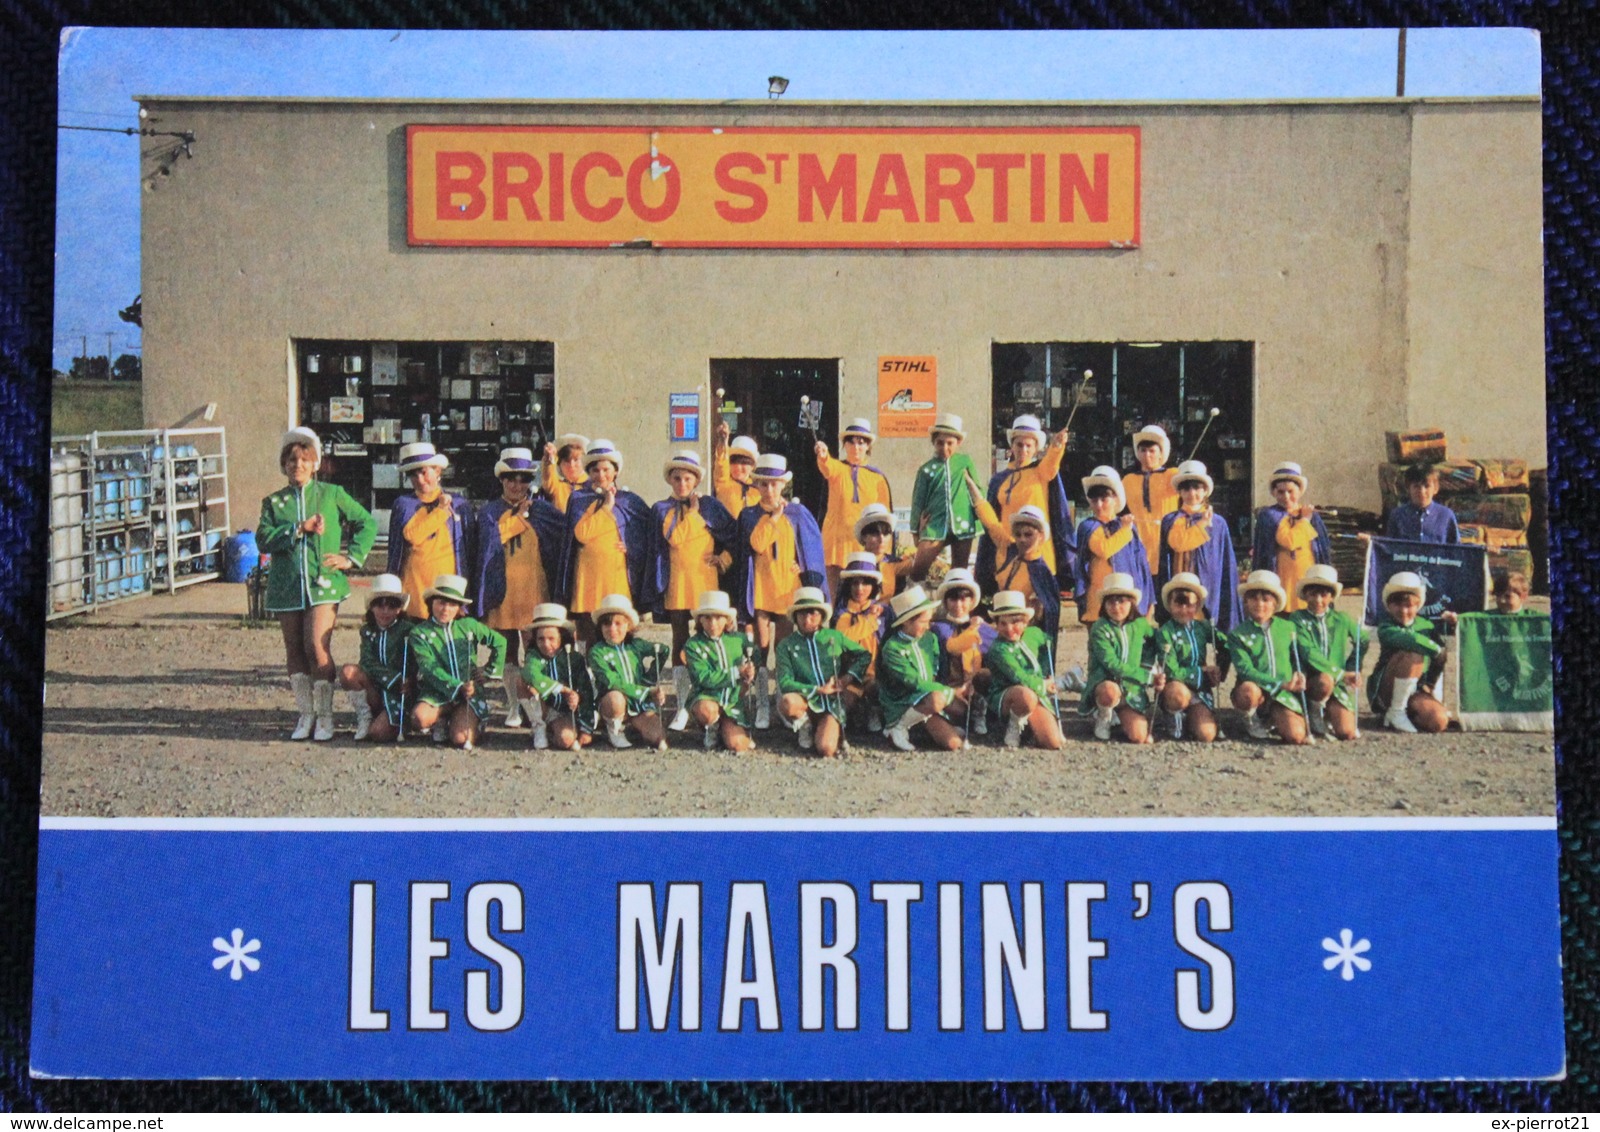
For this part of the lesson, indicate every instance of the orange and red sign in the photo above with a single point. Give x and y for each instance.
(706, 187)
(908, 395)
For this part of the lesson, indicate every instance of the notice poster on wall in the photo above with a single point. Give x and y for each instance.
(908, 394)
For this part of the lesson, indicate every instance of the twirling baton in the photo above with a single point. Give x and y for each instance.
(1305, 708)
(805, 411)
(1077, 397)
(1213, 415)
(1055, 699)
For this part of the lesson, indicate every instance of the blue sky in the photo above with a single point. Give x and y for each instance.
(101, 69)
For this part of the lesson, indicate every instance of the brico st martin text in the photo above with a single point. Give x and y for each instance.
(674, 970)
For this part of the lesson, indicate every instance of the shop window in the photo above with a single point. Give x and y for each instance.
(1172, 384)
(470, 399)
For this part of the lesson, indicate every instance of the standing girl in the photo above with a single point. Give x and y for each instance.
(859, 616)
(428, 529)
(1290, 537)
(852, 484)
(941, 507)
(1194, 539)
(563, 469)
(608, 542)
(1108, 543)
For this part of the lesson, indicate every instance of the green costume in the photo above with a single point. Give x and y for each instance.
(713, 664)
(1122, 654)
(1328, 644)
(1025, 661)
(297, 579)
(383, 659)
(550, 677)
(632, 668)
(1264, 655)
(1423, 637)
(907, 671)
(941, 500)
(805, 663)
(1183, 652)
(442, 657)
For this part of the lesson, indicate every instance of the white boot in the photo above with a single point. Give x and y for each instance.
(363, 710)
(1014, 725)
(1396, 717)
(513, 704)
(1258, 728)
(763, 701)
(1317, 718)
(1104, 717)
(710, 739)
(980, 717)
(681, 685)
(875, 719)
(616, 734)
(534, 709)
(322, 704)
(805, 733)
(900, 733)
(1073, 679)
(1177, 725)
(439, 733)
(300, 684)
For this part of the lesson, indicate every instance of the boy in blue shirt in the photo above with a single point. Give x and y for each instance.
(1421, 519)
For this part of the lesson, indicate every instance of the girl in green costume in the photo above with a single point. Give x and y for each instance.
(815, 665)
(377, 685)
(1121, 655)
(1330, 651)
(1022, 688)
(721, 671)
(1193, 660)
(561, 705)
(627, 674)
(1264, 649)
(908, 675)
(444, 651)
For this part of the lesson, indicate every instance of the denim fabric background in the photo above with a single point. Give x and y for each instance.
(28, 37)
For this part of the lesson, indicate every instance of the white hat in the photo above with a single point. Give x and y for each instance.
(388, 585)
(1154, 434)
(714, 603)
(744, 447)
(550, 615)
(519, 460)
(1405, 582)
(1183, 581)
(810, 597)
(1010, 603)
(1031, 516)
(772, 466)
(1320, 575)
(948, 423)
(1288, 470)
(958, 579)
(575, 439)
(421, 455)
(1192, 471)
(687, 460)
(616, 604)
(872, 515)
(906, 604)
(859, 427)
(301, 435)
(1026, 425)
(861, 564)
(1265, 581)
(451, 587)
(1118, 584)
(1104, 476)
(601, 449)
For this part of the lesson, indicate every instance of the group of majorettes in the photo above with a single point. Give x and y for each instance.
(827, 624)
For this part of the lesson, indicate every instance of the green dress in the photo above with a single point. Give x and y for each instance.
(1025, 661)
(1423, 636)
(297, 579)
(713, 664)
(549, 677)
(442, 657)
(1183, 652)
(1124, 655)
(1329, 645)
(1265, 655)
(633, 668)
(384, 653)
(907, 671)
(805, 663)
(940, 494)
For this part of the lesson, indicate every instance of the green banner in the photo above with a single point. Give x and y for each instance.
(1503, 677)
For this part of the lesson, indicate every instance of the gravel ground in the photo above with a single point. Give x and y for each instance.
(169, 707)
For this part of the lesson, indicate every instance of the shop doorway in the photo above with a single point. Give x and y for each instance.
(761, 397)
(1172, 384)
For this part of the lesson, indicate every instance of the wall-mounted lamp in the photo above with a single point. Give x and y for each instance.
(211, 411)
(776, 85)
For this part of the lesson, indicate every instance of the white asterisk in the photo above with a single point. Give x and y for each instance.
(236, 954)
(1345, 956)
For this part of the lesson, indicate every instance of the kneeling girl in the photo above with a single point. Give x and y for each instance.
(1194, 662)
(376, 685)
(1022, 688)
(721, 671)
(627, 675)
(444, 651)
(908, 675)
(561, 704)
(815, 666)
(1121, 661)
(1265, 655)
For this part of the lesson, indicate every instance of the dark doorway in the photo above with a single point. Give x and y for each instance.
(1172, 384)
(761, 398)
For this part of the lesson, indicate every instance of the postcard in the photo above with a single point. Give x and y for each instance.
(1240, 767)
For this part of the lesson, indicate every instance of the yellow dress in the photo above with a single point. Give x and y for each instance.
(732, 494)
(773, 563)
(1184, 539)
(688, 542)
(1295, 555)
(1022, 487)
(557, 488)
(1148, 512)
(1101, 547)
(602, 566)
(859, 622)
(433, 551)
(1013, 575)
(526, 586)
(850, 489)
